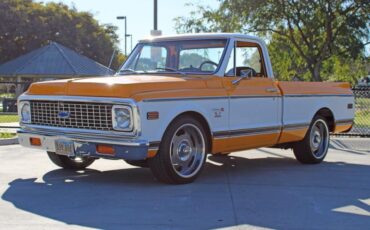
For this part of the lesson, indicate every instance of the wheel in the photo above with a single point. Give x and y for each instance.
(70, 163)
(314, 147)
(138, 163)
(182, 152)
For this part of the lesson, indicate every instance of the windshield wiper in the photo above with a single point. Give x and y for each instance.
(127, 70)
(171, 69)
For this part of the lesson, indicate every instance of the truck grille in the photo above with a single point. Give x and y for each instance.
(79, 115)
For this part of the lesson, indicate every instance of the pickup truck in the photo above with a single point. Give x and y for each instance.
(177, 99)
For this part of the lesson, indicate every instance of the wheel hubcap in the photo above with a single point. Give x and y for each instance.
(187, 150)
(319, 138)
(184, 150)
(316, 140)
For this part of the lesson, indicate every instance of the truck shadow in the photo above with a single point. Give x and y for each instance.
(232, 191)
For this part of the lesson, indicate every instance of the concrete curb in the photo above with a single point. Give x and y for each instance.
(350, 143)
(9, 141)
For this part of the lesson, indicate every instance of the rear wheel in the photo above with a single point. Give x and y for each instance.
(76, 163)
(314, 147)
(182, 152)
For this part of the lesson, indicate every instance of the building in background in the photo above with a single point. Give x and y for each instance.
(53, 61)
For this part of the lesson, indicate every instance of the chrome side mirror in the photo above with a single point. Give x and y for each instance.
(244, 74)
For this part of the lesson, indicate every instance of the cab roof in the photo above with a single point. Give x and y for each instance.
(178, 37)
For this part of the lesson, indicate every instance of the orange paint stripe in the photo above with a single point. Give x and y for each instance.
(233, 144)
(342, 128)
(292, 135)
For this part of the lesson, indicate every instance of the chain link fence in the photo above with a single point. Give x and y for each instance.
(361, 126)
(9, 91)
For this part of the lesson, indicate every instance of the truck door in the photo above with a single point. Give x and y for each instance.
(254, 99)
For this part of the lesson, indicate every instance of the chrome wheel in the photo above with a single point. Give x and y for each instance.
(187, 150)
(319, 138)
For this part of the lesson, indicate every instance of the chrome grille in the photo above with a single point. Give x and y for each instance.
(95, 116)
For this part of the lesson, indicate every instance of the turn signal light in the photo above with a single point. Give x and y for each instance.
(35, 141)
(152, 115)
(105, 149)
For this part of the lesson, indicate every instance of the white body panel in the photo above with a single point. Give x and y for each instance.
(301, 109)
(248, 113)
(243, 113)
(153, 130)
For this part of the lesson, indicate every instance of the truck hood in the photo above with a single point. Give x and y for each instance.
(116, 86)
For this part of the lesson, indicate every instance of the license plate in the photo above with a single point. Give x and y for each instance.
(64, 147)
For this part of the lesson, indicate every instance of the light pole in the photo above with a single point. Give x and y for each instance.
(155, 15)
(124, 18)
(130, 35)
(155, 31)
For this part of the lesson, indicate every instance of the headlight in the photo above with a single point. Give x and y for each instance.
(25, 111)
(122, 118)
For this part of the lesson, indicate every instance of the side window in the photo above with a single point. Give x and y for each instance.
(248, 57)
(248, 61)
(151, 57)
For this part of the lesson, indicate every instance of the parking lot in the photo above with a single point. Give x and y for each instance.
(264, 188)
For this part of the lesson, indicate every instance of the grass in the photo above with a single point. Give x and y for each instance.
(7, 95)
(8, 118)
(7, 135)
(362, 118)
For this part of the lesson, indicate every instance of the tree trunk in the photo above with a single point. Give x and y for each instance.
(315, 71)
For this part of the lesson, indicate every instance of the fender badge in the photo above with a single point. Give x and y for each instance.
(218, 112)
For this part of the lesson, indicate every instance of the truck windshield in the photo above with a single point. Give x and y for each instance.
(180, 57)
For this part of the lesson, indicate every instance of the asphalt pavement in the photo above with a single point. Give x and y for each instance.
(257, 189)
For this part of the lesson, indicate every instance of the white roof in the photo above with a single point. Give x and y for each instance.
(200, 36)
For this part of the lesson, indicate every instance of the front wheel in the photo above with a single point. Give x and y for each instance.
(182, 152)
(314, 147)
(65, 162)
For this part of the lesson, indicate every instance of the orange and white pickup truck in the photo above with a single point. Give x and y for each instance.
(177, 99)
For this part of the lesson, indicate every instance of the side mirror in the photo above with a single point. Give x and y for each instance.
(244, 74)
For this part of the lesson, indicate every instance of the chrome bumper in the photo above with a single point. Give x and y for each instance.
(85, 145)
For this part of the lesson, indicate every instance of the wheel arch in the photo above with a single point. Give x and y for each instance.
(199, 117)
(328, 115)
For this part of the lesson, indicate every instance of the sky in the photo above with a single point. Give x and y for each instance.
(139, 14)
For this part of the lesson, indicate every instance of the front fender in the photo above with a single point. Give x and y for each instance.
(153, 130)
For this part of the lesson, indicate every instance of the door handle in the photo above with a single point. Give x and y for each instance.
(271, 90)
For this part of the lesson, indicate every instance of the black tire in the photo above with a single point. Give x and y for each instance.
(314, 147)
(138, 163)
(70, 163)
(162, 165)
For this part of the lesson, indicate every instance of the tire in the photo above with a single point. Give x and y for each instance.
(182, 152)
(138, 163)
(314, 147)
(70, 163)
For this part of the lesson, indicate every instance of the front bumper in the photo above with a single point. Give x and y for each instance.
(87, 145)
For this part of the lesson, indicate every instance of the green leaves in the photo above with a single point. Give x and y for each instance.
(310, 32)
(27, 25)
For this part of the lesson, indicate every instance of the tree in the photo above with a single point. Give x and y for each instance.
(27, 25)
(314, 30)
